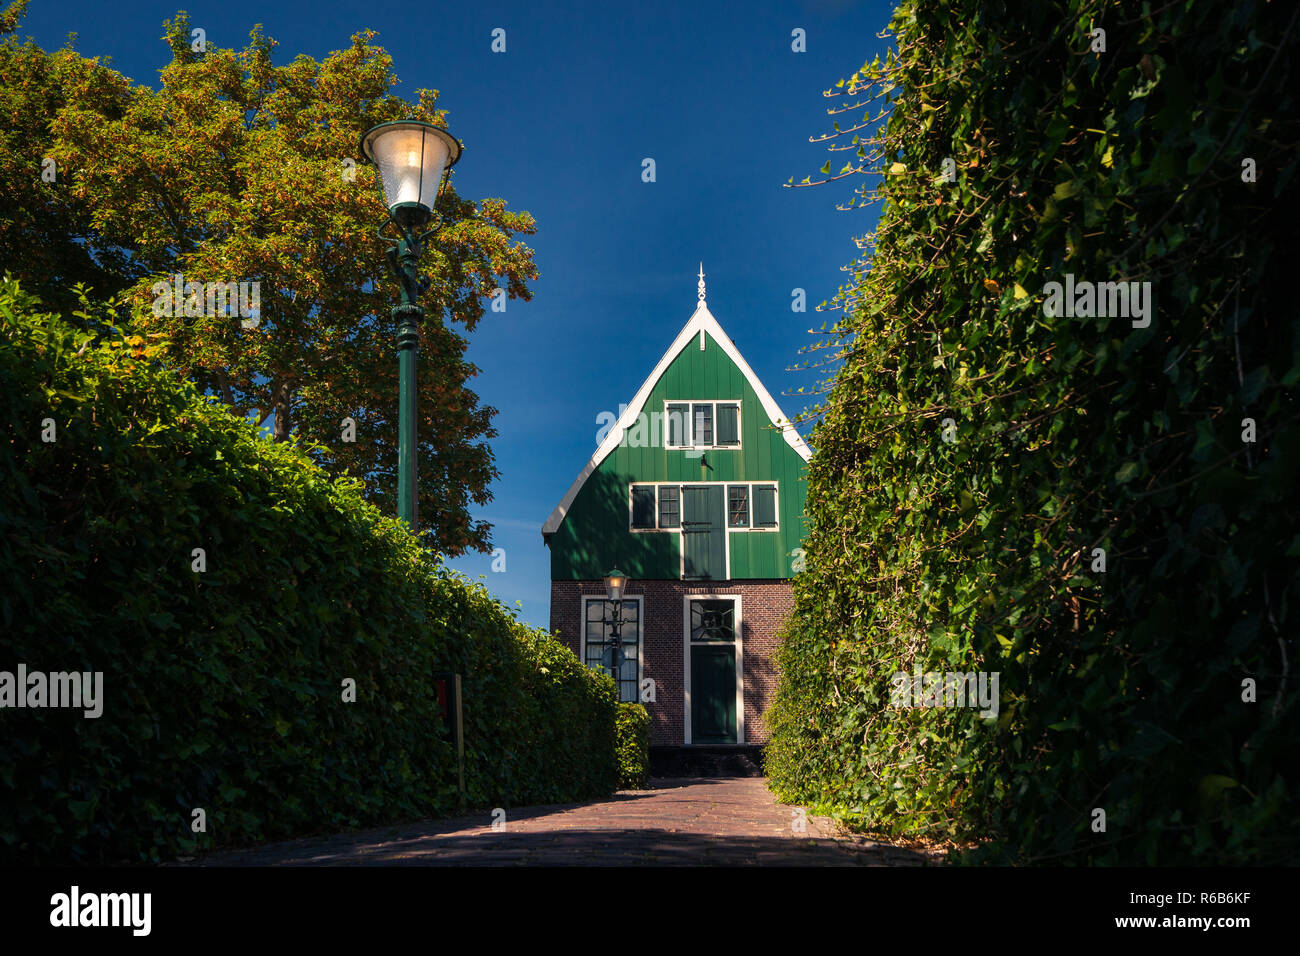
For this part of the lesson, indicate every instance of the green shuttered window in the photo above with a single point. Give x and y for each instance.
(677, 424)
(764, 506)
(658, 507)
(728, 424)
(643, 506)
(702, 425)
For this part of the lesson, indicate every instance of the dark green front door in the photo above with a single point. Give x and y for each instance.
(713, 694)
(704, 533)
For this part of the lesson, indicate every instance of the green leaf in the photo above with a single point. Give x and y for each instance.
(1212, 785)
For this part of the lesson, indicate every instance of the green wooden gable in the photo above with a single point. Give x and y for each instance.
(691, 497)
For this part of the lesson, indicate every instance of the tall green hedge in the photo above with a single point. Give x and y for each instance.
(224, 688)
(633, 734)
(975, 455)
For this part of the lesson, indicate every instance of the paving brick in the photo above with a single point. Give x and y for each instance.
(695, 821)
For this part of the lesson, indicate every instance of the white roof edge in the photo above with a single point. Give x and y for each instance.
(701, 319)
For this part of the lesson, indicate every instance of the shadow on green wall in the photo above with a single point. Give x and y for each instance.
(594, 537)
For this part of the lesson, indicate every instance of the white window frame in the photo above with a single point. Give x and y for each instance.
(726, 516)
(690, 403)
(738, 644)
(630, 512)
(640, 633)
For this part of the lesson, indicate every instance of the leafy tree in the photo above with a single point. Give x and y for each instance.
(1096, 505)
(45, 235)
(237, 169)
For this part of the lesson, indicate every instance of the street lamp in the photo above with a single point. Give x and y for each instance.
(615, 582)
(412, 158)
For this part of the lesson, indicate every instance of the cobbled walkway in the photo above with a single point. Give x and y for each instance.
(692, 821)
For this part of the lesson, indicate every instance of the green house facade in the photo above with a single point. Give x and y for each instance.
(696, 492)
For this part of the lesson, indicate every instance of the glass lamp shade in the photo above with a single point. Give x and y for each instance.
(411, 157)
(615, 581)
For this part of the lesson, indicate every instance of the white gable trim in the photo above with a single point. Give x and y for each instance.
(701, 322)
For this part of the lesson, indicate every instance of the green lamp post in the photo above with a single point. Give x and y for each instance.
(412, 158)
(615, 582)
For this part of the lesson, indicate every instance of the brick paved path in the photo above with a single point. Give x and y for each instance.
(708, 821)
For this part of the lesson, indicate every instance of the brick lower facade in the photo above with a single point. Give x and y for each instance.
(764, 606)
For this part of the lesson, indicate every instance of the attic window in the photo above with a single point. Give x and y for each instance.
(728, 424)
(677, 421)
(764, 497)
(701, 425)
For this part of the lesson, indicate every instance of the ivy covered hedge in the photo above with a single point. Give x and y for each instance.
(633, 726)
(223, 688)
(1096, 504)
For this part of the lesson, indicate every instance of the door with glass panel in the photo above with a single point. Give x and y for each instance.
(713, 642)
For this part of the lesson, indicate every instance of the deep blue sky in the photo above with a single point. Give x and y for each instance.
(559, 125)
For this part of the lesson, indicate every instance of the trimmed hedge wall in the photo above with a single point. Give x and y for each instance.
(1098, 505)
(633, 746)
(223, 688)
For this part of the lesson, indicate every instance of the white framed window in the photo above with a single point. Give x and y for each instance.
(707, 424)
(737, 506)
(670, 507)
(644, 508)
(613, 646)
(657, 506)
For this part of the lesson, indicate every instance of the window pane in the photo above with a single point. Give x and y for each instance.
(703, 434)
(629, 614)
(643, 506)
(728, 424)
(765, 506)
(618, 658)
(738, 506)
(678, 419)
(713, 620)
(670, 515)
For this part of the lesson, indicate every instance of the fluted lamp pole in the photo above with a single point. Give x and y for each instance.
(412, 158)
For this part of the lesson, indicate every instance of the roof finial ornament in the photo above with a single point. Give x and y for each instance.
(701, 284)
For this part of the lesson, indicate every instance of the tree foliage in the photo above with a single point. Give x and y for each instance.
(239, 169)
(45, 233)
(974, 453)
